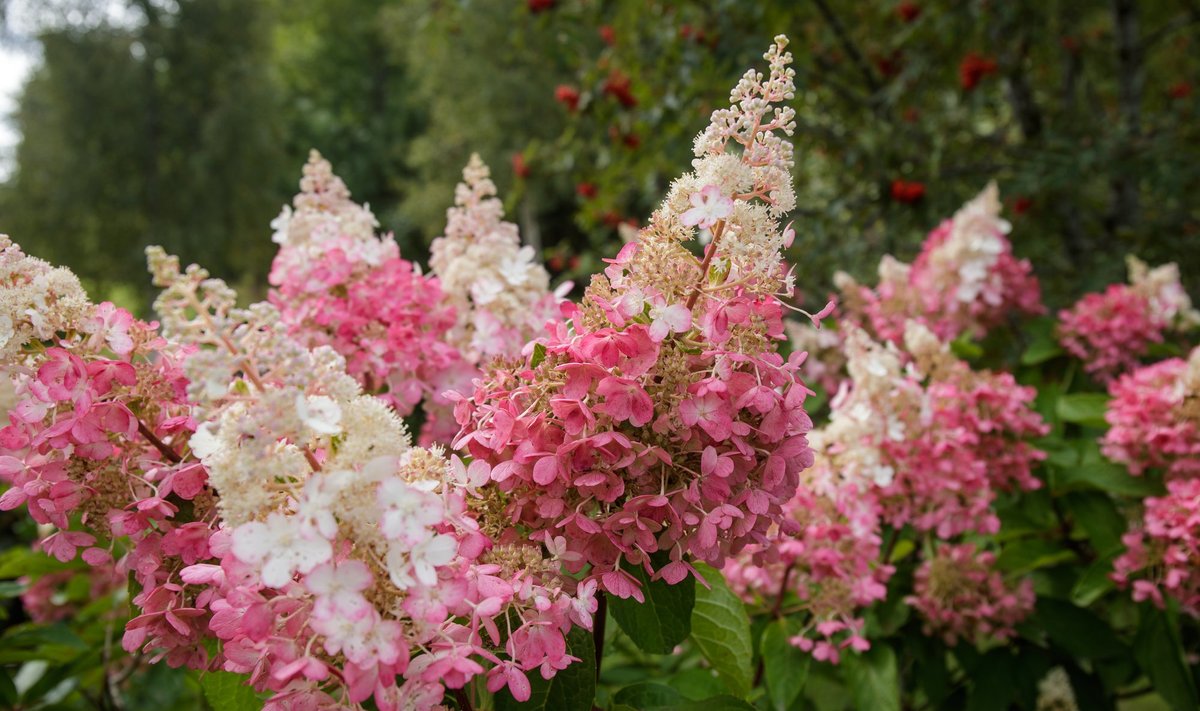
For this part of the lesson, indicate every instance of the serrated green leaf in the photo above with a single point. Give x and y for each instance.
(664, 620)
(1083, 408)
(572, 689)
(229, 692)
(992, 684)
(1158, 651)
(873, 678)
(721, 629)
(784, 666)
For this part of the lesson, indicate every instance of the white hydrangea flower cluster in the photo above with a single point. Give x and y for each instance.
(858, 413)
(1161, 286)
(968, 256)
(37, 300)
(498, 289)
(1055, 692)
(323, 212)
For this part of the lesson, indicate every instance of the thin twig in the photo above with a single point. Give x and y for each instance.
(161, 446)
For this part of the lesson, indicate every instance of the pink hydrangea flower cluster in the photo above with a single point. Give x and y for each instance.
(658, 418)
(827, 554)
(91, 450)
(961, 596)
(1112, 330)
(337, 284)
(934, 438)
(1154, 418)
(346, 558)
(966, 280)
(1160, 556)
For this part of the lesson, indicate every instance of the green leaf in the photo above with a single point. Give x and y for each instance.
(572, 689)
(1044, 347)
(22, 560)
(539, 355)
(697, 683)
(721, 629)
(1158, 651)
(649, 696)
(664, 620)
(1024, 556)
(992, 684)
(873, 679)
(1080, 632)
(229, 692)
(52, 643)
(965, 348)
(1094, 582)
(1097, 515)
(10, 588)
(1083, 409)
(1104, 476)
(785, 667)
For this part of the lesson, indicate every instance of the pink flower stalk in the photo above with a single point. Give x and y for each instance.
(658, 418)
(965, 280)
(1111, 331)
(960, 596)
(1160, 556)
(1154, 420)
(337, 284)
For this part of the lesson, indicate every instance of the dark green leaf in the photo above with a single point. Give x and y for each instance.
(1094, 582)
(649, 696)
(697, 683)
(1080, 632)
(1104, 476)
(785, 667)
(229, 692)
(721, 629)
(1083, 408)
(572, 689)
(1043, 348)
(873, 678)
(664, 620)
(22, 560)
(992, 683)
(1099, 518)
(1020, 557)
(1157, 650)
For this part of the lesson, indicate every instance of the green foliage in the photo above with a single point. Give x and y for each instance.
(229, 692)
(721, 629)
(785, 667)
(664, 620)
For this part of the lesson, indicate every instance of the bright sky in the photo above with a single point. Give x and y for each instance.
(15, 65)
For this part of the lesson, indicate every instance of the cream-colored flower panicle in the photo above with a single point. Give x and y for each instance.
(739, 188)
(37, 300)
(498, 289)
